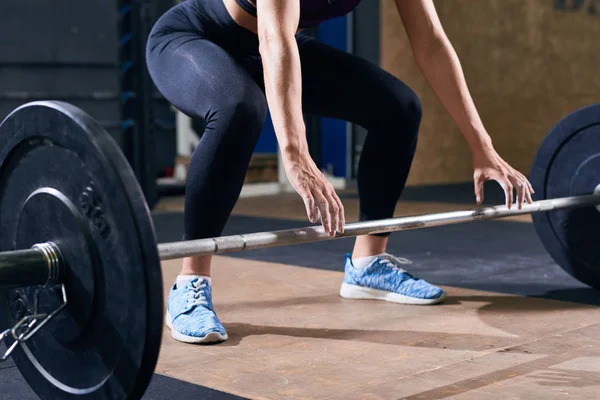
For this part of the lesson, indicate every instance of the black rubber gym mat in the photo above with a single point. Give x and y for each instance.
(14, 387)
(457, 193)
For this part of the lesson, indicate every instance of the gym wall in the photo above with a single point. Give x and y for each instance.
(61, 50)
(527, 64)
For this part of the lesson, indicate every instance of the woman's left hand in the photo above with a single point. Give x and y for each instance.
(488, 165)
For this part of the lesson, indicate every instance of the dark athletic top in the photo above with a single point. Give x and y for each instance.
(312, 12)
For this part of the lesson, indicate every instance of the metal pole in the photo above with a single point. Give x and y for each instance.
(234, 243)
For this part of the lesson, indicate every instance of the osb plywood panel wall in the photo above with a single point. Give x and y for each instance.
(527, 64)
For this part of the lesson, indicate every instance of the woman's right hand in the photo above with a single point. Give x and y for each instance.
(320, 199)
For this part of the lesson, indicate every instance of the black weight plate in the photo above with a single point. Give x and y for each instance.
(63, 179)
(568, 164)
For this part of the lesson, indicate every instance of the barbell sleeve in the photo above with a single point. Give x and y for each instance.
(235, 243)
(40, 265)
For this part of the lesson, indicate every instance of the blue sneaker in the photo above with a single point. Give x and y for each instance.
(190, 314)
(384, 279)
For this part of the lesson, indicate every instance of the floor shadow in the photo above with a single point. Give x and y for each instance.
(575, 295)
(494, 305)
(435, 340)
(517, 304)
(330, 300)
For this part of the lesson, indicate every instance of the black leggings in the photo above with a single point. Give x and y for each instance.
(208, 67)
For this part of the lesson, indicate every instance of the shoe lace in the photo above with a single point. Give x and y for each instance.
(196, 295)
(395, 262)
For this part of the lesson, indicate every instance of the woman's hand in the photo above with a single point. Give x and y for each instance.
(488, 165)
(320, 199)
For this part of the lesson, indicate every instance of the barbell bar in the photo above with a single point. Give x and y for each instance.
(287, 237)
(81, 288)
(39, 265)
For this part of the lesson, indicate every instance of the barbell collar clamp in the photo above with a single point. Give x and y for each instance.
(40, 265)
(53, 258)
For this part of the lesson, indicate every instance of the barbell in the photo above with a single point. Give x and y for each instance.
(80, 279)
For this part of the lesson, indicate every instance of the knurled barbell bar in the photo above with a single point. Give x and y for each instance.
(80, 268)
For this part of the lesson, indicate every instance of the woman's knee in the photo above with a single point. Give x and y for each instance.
(242, 112)
(403, 105)
(248, 105)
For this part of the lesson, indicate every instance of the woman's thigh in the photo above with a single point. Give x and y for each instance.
(201, 79)
(340, 85)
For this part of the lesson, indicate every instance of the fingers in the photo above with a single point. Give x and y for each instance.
(312, 210)
(509, 184)
(508, 190)
(479, 189)
(334, 212)
(524, 189)
(529, 192)
(331, 209)
(320, 199)
(520, 194)
(341, 213)
(509, 179)
(528, 188)
(324, 210)
(518, 185)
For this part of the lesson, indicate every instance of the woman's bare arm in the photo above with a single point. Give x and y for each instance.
(441, 67)
(277, 26)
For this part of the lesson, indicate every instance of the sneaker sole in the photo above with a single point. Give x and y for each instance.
(214, 337)
(349, 291)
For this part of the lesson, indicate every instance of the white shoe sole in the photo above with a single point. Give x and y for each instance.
(214, 337)
(348, 291)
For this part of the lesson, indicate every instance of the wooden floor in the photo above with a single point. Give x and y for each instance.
(293, 337)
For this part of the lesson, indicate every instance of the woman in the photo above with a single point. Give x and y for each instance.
(225, 60)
